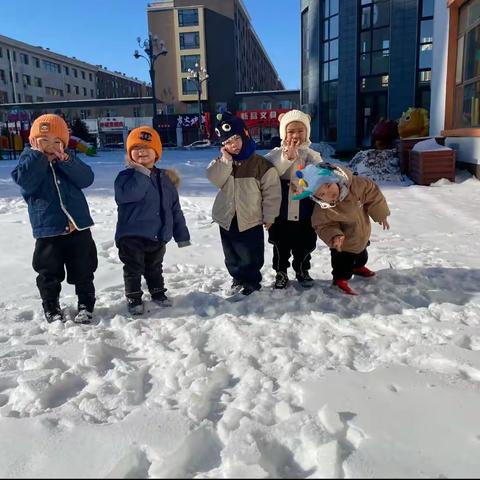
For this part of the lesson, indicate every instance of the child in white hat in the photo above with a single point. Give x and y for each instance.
(292, 233)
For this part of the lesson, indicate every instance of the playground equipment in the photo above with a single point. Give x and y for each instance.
(81, 146)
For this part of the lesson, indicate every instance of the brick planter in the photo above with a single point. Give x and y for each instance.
(430, 166)
(404, 145)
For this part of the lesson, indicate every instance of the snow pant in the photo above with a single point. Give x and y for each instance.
(292, 238)
(141, 256)
(343, 263)
(244, 253)
(77, 254)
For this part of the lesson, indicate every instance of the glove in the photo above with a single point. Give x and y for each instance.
(187, 243)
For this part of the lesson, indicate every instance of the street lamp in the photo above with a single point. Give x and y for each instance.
(198, 75)
(153, 47)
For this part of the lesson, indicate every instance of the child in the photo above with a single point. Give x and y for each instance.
(292, 232)
(149, 214)
(341, 217)
(249, 196)
(52, 184)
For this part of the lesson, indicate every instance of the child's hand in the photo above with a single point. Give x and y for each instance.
(337, 242)
(59, 152)
(291, 150)
(226, 157)
(385, 224)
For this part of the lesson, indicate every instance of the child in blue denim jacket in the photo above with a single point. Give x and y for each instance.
(149, 214)
(52, 184)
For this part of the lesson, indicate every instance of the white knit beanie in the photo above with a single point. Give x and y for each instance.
(294, 116)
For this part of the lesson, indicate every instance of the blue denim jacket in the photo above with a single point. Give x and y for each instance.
(149, 207)
(53, 192)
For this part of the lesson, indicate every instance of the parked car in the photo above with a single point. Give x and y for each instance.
(199, 144)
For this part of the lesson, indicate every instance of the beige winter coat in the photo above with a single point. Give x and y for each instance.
(351, 216)
(287, 171)
(249, 189)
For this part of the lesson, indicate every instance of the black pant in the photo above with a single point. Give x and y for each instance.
(292, 238)
(75, 252)
(141, 256)
(244, 253)
(343, 263)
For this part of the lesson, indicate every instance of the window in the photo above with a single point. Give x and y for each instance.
(83, 74)
(84, 92)
(54, 92)
(189, 40)
(305, 56)
(16, 77)
(75, 72)
(39, 99)
(68, 87)
(2, 76)
(77, 90)
(24, 58)
(28, 99)
(187, 17)
(425, 51)
(26, 80)
(188, 87)
(467, 77)
(189, 61)
(91, 93)
(1, 52)
(36, 61)
(51, 67)
(66, 70)
(37, 81)
(19, 96)
(90, 77)
(14, 55)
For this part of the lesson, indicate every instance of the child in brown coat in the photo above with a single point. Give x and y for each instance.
(341, 218)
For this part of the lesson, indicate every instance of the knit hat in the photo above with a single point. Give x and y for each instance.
(293, 116)
(229, 125)
(146, 137)
(50, 124)
(313, 176)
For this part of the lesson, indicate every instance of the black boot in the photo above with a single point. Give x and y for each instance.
(135, 306)
(281, 280)
(52, 310)
(161, 299)
(305, 280)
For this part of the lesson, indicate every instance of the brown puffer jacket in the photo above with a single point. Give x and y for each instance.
(351, 216)
(249, 189)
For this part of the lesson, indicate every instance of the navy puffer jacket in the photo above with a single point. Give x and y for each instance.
(149, 206)
(53, 192)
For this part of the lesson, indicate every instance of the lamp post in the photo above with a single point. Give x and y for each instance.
(153, 48)
(198, 75)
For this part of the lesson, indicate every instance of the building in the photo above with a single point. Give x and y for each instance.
(260, 112)
(455, 100)
(32, 74)
(363, 60)
(216, 35)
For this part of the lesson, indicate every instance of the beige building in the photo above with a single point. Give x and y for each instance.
(218, 36)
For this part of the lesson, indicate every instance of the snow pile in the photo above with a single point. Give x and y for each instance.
(325, 150)
(379, 165)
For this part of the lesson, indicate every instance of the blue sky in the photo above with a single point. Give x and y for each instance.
(105, 31)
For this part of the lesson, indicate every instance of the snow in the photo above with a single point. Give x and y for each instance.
(294, 384)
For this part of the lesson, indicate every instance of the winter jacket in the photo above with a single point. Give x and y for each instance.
(53, 192)
(350, 217)
(249, 189)
(149, 206)
(293, 210)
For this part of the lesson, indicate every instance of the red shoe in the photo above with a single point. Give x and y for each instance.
(363, 272)
(343, 285)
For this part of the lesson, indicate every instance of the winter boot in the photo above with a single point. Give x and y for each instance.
(249, 289)
(363, 272)
(161, 299)
(135, 306)
(84, 315)
(52, 310)
(281, 280)
(343, 285)
(235, 287)
(305, 280)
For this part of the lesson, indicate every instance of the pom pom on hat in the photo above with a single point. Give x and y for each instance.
(50, 124)
(146, 137)
(312, 176)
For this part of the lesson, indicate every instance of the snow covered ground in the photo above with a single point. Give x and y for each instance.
(284, 384)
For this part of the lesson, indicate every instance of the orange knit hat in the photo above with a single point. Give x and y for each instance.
(50, 124)
(146, 137)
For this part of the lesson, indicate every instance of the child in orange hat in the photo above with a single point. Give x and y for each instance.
(52, 184)
(149, 215)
